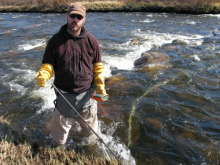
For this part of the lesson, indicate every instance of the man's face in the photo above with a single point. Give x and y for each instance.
(74, 23)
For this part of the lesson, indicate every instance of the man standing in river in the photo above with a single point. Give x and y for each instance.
(74, 55)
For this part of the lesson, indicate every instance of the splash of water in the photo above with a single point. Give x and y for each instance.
(119, 149)
(32, 44)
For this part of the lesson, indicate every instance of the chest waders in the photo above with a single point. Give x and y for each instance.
(57, 90)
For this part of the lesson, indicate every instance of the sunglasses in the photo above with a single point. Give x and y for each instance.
(79, 17)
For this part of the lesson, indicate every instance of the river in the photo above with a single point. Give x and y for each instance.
(162, 113)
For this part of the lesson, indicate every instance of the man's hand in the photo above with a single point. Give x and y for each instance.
(44, 74)
(41, 78)
(100, 97)
(99, 80)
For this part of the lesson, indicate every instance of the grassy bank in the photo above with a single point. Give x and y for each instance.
(176, 6)
(16, 148)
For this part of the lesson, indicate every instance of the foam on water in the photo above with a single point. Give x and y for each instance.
(196, 57)
(17, 82)
(118, 62)
(23, 74)
(189, 22)
(20, 79)
(156, 38)
(32, 44)
(152, 38)
(17, 87)
(212, 15)
(18, 16)
(8, 31)
(115, 145)
(46, 94)
(124, 62)
(145, 21)
(34, 26)
(119, 149)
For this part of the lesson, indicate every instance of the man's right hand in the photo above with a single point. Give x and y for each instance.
(44, 74)
(41, 79)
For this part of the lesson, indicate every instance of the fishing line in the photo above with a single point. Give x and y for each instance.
(105, 152)
(101, 140)
(134, 108)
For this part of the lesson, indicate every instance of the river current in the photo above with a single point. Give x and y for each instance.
(163, 113)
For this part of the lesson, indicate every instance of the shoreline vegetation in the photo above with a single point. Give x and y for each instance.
(16, 148)
(167, 6)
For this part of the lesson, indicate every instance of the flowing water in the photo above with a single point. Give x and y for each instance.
(163, 113)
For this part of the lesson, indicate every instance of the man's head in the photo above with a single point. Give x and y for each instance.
(77, 8)
(76, 17)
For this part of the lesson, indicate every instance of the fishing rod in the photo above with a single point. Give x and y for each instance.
(101, 140)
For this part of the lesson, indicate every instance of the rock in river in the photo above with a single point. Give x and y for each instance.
(137, 41)
(150, 58)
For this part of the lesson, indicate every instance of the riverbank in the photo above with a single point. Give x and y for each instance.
(16, 148)
(168, 6)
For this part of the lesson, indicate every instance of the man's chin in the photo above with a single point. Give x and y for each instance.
(74, 30)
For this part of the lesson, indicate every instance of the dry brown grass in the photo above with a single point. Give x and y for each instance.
(177, 6)
(15, 148)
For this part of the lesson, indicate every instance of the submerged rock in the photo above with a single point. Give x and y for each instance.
(150, 58)
(116, 80)
(119, 82)
(169, 47)
(178, 42)
(137, 41)
(156, 124)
